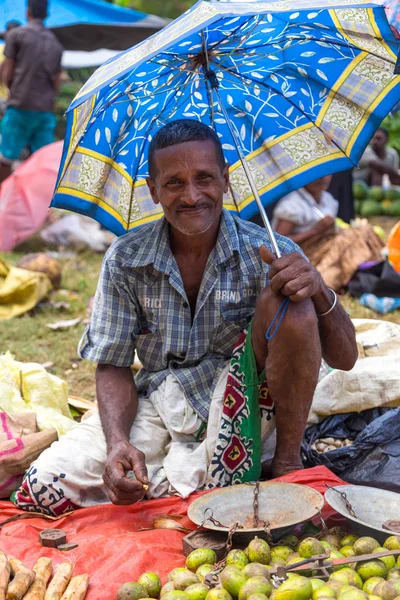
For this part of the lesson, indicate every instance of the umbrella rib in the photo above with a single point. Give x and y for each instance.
(300, 40)
(175, 108)
(212, 117)
(138, 86)
(155, 118)
(296, 107)
(161, 89)
(306, 116)
(233, 33)
(123, 100)
(208, 86)
(314, 38)
(341, 43)
(228, 55)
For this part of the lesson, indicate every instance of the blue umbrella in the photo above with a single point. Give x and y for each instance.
(294, 88)
(88, 24)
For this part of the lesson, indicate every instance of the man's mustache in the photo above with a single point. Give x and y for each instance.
(197, 206)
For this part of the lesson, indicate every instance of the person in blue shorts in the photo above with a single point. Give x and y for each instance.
(31, 71)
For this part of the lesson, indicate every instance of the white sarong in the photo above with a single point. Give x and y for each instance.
(166, 429)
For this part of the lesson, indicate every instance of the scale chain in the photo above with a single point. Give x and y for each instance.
(256, 518)
(209, 516)
(345, 499)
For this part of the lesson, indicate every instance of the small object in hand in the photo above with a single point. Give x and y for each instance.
(145, 487)
(53, 538)
(67, 547)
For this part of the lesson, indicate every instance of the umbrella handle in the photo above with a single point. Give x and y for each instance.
(212, 78)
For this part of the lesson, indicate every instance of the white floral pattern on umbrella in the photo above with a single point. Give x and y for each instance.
(305, 85)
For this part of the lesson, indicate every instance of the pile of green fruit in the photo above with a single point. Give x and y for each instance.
(374, 201)
(246, 574)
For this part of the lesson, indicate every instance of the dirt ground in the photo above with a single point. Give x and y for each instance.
(29, 340)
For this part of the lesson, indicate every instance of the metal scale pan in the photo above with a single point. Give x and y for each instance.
(281, 505)
(372, 507)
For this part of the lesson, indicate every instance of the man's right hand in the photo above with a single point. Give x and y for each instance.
(121, 459)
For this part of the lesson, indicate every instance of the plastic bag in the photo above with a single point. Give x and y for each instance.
(29, 387)
(374, 457)
(20, 290)
(374, 381)
(78, 232)
(379, 279)
(381, 305)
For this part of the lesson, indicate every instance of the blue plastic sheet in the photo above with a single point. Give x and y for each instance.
(88, 24)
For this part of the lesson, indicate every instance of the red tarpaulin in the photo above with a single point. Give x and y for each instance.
(112, 549)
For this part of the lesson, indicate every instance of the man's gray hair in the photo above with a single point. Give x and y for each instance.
(180, 131)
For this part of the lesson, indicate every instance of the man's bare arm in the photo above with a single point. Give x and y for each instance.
(118, 403)
(320, 229)
(7, 72)
(336, 331)
(57, 82)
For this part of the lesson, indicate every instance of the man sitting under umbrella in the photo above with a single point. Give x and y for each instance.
(194, 295)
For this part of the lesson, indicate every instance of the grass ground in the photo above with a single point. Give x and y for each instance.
(29, 340)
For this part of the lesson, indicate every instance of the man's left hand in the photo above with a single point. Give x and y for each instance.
(292, 275)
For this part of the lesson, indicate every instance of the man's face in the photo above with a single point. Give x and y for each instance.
(189, 184)
(379, 141)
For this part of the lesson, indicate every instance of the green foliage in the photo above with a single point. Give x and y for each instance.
(167, 8)
(392, 124)
(30, 340)
(68, 91)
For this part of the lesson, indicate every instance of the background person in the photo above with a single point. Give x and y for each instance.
(3, 88)
(307, 213)
(31, 71)
(377, 160)
(307, 216)
(341, 188)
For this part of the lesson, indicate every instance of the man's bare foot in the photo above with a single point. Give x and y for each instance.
(283, 467)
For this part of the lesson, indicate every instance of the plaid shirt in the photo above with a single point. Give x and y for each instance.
(141, 306)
